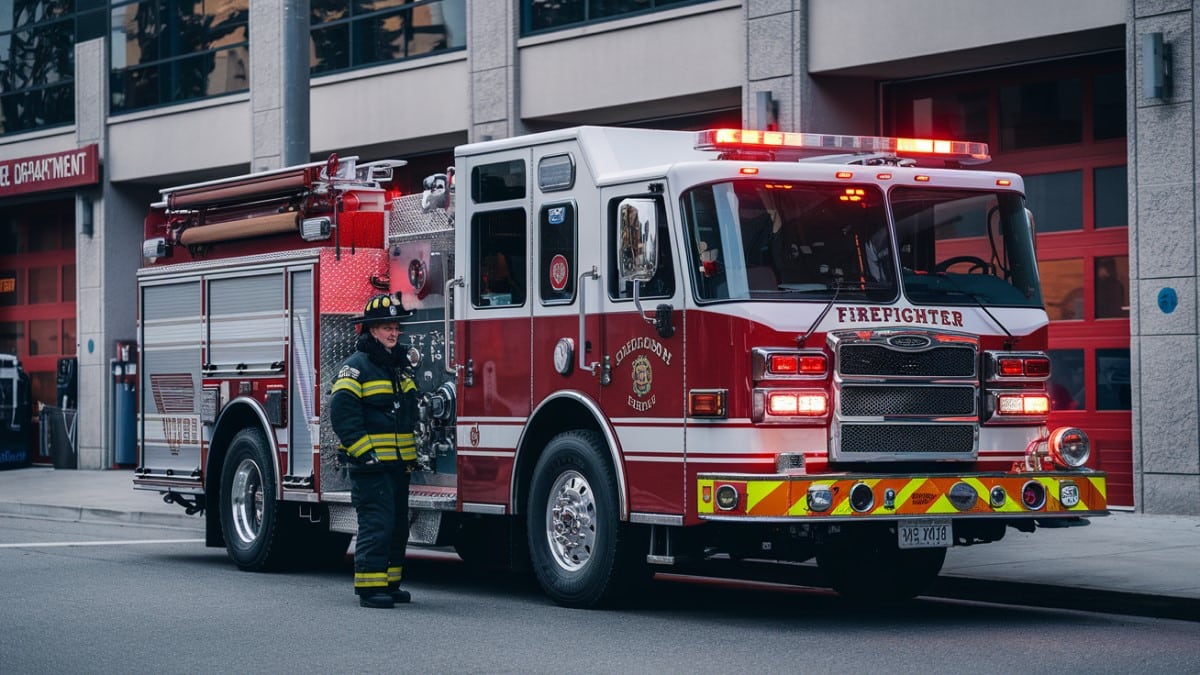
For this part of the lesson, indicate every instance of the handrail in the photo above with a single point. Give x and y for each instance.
(451, 368)
(583, 365)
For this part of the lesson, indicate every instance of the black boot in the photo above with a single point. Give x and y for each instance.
(377, 598)
(399, 596)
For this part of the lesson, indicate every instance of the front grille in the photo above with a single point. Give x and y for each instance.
(883, 401)
(908, 439)
(874, 359)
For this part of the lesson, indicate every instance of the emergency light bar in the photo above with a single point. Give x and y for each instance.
(965, 152)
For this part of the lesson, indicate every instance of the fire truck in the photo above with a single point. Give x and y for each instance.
(636, 350)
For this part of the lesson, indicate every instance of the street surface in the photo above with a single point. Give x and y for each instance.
(93, 598)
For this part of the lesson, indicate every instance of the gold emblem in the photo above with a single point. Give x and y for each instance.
(643, 376)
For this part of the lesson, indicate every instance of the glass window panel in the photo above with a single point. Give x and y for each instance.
(68, 337)
(1111, 200)
(380, 38)
(324, 11)
(1112, 379)
(45, 237)
(604, 8)
(960, 116)
(366, 6)
(136, 29)
(1112, 287)
(91, 25)
(1108, 106)
(12, 287)
(43, 388)
(12, 239)
(1062, 288)
(1066, 386)
(12, 337)
(43, 55)
(329, 49)
(435, 27)
(498, 243)
(210, 74)
(43, 285)
(68, 283)
(1056, 200)
(43, 337)
(545, 14)
(135, 88)
(229, 25)
(558, 267)
(1038, 114)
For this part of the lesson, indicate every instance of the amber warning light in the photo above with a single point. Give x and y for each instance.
(965, 152)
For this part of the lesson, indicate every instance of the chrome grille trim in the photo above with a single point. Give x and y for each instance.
(904, 395)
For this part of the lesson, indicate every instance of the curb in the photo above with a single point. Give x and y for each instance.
(87, 514)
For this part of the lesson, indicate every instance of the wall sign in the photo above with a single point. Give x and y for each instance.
(50, 172)
(1167, 300)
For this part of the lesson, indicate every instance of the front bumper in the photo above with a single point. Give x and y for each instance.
(786, 498)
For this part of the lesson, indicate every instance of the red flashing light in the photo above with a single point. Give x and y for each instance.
(784, 364)
(748, 170)
(844, 175)
(1010, 367)
(814, 364)
(749, 139)
(921, 178)
(1003, 182)
(883, 176)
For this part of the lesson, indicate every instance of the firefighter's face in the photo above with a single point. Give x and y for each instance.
(388, 334)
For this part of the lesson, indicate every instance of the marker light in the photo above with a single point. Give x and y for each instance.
(1033, 495)
(1011, 365)
(773, 363)
(707, 403)
(750, 139)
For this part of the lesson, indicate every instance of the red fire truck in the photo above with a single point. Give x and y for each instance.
(635, 349)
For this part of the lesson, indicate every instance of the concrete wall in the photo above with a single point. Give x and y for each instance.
(1164, 160)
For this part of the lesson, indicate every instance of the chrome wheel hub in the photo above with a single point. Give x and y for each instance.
(247, 500)
(571, 521)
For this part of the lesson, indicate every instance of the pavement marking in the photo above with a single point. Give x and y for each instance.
(120, 542)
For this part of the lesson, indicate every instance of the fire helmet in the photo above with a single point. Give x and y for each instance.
(382, 308)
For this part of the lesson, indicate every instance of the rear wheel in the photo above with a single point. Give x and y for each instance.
(867, 564)
(577, 543)
(255, 536)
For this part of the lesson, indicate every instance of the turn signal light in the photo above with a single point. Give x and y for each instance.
(1023, 404)
(706, 403)
(789, 405)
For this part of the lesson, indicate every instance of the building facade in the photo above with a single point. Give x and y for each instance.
(1090, 100)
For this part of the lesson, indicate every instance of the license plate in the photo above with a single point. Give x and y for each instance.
(924, 533)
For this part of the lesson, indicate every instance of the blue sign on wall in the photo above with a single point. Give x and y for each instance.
(1168, 300)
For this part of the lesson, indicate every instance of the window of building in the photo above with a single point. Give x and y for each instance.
(1039, 114)
(353, 33)
(1111, 200)
(547, 15)
(1066, 386)
(37, 60)
(1112, 380)
(169, 51)
(1062, 288)
(1056, 200)
(1112, 287)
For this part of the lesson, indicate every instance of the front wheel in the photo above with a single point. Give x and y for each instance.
(576, 545)
(255, 537)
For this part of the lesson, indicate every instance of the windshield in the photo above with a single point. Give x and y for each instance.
(765, 240)
(961, 247)
(770, 240)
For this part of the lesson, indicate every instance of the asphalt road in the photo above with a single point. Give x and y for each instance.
(89, 598)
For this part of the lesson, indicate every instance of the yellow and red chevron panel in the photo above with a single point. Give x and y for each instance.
(787, 497)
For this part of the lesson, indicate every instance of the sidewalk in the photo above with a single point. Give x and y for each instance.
(1119, 560)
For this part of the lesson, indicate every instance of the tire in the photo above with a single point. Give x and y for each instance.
(577, 546)
(866, 564)
(255, 537)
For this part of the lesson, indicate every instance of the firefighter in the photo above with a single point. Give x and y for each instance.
(374, 411)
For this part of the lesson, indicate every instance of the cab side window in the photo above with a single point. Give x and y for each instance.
(498, 251)
(557, 267)
(663, 283)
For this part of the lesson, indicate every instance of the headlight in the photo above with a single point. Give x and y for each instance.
(1069, 447)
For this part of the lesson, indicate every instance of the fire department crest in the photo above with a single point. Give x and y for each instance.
(643, 376)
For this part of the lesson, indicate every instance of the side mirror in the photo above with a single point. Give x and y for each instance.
(637, 239)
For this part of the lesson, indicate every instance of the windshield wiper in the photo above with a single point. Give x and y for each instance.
(837, 288)
(1012, 339)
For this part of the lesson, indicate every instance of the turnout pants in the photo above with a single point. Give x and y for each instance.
(380, 496)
